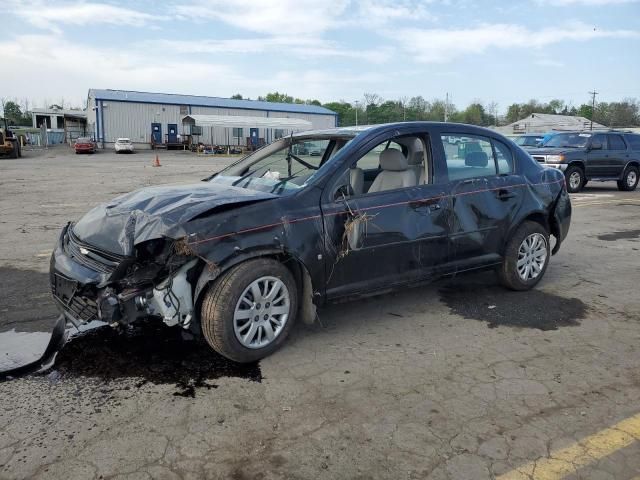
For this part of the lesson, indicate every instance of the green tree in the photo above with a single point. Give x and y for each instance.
(556, 106)
(237, 96)
(277, 97)
(12, 113)
(585, 111)
(475, 115)
(346, 113)
(436, 112)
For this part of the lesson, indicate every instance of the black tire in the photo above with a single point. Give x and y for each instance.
(19, 150)
(508, 271)
(219, 303)
(574, 170)
(14, 150)
(628, 184)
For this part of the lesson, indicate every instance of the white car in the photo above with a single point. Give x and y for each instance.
(124, 145)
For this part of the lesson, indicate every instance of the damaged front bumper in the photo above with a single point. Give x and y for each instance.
(89, 284)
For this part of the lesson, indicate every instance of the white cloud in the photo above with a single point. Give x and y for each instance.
(305, 17)
(373, 13)
(548, 62)
(274, 17)
(301, 47)
(49, 73)
(568, 3)
(50, 16)
(439, 45)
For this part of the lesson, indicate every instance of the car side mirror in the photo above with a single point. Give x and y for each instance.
(595, 146)
(344, 191)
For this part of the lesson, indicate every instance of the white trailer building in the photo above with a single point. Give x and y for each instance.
(157, 118)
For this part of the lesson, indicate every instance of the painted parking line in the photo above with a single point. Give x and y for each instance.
(568, 460)
(605, 202)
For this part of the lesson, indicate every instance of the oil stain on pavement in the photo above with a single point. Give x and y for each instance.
(624, 235)
(147, 351)
(497, 306)
(151, 352)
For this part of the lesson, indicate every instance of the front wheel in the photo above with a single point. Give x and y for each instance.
(629, 180)
(248, 312)
(526, 257)
(575, 179)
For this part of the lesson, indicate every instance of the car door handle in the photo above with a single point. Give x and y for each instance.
(504, 194)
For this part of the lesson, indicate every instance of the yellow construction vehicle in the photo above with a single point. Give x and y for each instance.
(9, 144)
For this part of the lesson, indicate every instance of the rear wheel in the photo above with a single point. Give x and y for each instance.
(248, 312)
(629, 180)
(14, 150)
(526, 257)
(575, 179)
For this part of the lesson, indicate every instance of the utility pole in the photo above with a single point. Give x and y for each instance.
(446, 107)
(357, 105)
(593, 106)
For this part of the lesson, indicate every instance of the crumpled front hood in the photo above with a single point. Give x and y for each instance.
(155, 212)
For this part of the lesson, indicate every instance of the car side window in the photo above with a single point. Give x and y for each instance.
(601, 139)
(504, 157)
(469, 159)
(371, 159)
(390, 165)
(616, 143)
(633, 141)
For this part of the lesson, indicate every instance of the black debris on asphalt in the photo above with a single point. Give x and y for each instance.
(497, 306)
(624, 235)
(151, 351)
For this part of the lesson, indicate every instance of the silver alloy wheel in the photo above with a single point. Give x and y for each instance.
(575, 179)
(632, 178)
(532, 256)
(261, 312)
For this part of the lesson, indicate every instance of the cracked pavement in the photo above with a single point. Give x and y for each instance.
(395, 386)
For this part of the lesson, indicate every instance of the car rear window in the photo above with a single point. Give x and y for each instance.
(473, 158)
(634, 141)
(83, 140)
(504, 157)
(616, 143)
(123, 140)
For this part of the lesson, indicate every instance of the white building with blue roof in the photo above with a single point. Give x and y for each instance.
(157, 118)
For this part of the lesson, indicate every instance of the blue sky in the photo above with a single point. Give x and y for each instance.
(490, 51)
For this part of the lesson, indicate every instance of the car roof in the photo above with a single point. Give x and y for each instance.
(353, 131)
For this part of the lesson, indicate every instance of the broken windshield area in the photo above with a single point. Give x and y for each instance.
(280, 168)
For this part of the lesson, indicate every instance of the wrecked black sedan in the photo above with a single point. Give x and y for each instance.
(239, 257)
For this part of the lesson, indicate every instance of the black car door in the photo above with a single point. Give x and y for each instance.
(597, 163)
(378, 239)
(486, 193)
(618, 155)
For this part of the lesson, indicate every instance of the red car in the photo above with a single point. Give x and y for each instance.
(85, 145)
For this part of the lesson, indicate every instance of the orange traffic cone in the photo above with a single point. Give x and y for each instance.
(157, 162)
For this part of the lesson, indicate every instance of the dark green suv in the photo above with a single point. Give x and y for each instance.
(593, 155)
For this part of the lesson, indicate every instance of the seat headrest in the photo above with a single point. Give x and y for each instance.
(393, 160)
(476, 159)
(417, 155)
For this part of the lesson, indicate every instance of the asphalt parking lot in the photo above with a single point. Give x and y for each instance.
(456, 380)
